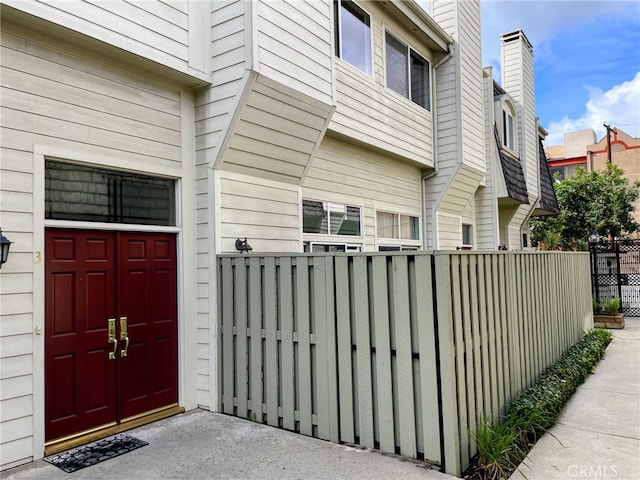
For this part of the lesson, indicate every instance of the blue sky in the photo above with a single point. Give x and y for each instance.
(587, 60)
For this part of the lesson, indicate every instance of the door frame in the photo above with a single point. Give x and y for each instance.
(186, 272)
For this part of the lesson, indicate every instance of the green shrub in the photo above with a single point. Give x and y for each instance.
(610, 306)
(502, 445)
(499, 453)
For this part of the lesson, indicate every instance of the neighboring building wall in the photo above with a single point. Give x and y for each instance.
(625, 153)
(566, 158)
(580, 149)
(68, 102)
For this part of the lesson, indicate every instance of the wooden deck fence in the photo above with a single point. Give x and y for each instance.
(402, 352)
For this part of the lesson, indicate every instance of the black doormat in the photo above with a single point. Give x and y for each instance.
(95, 452)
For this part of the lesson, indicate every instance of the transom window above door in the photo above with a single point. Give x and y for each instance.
(93, 194)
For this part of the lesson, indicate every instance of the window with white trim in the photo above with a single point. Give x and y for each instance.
(317, 247)
(353, 35)
(467, 235)
(407, 72)
(328, 218)
(508, 135)
(397, 232)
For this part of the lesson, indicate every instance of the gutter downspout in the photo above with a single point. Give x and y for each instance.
(426, 176)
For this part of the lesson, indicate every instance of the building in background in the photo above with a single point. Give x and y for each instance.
(580, 149)
(565, 158)
(141, 139)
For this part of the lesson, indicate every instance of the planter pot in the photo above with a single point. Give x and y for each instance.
(615, 320)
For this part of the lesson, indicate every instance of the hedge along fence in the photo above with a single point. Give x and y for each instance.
(403, 352)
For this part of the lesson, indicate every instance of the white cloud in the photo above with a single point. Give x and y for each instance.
(619, 107)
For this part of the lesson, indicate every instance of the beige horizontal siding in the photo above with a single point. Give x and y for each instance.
(370, 112)
(265, 212)
(294, 45)
(156, 30)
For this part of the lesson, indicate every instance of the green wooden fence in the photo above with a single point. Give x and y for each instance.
(402, 352)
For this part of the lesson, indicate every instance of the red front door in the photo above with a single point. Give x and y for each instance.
(97, 375)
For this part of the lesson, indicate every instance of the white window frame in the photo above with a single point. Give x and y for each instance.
(348, 247)
(509, 127)
(402, 243)
(410, 52)
(338, 36)
(467, 245)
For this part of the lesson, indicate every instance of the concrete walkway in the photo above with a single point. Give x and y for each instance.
(598, 433)
(203, 445)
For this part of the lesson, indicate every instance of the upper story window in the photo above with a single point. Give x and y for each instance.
(507, 131)
(327, 218)
(353, 35)
(509, 120)
(407, 72)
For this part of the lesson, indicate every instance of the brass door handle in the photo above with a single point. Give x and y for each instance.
(124, 336)
(111, 333)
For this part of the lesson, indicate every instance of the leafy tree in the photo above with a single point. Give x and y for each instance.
(599, 201)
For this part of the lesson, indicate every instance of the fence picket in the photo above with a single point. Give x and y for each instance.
(271, 373)
(363, 352)
(321, 367)
(344, 341)
(404, 357)
(304, 347)
(424, 311)
(383, 385)
(227, 364)
(255, 322)
(285, 314)
(240, 309)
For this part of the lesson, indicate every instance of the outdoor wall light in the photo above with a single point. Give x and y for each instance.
(243, 246)
(5, 243)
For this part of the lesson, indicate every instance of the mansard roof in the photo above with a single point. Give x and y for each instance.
(548, 200)
(513, 174)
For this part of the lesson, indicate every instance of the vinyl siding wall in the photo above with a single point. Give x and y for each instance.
(264, 212)
(369, 112)
(486, 201)
(62, 101)
(294, 45)
(461, 152)
(472, 111)
(214, 108)
(351, 175)
(155, 30)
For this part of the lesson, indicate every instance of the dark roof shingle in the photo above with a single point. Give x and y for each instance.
(548, 200)
(513, 174)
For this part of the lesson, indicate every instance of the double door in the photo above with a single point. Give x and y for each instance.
(110, 328)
